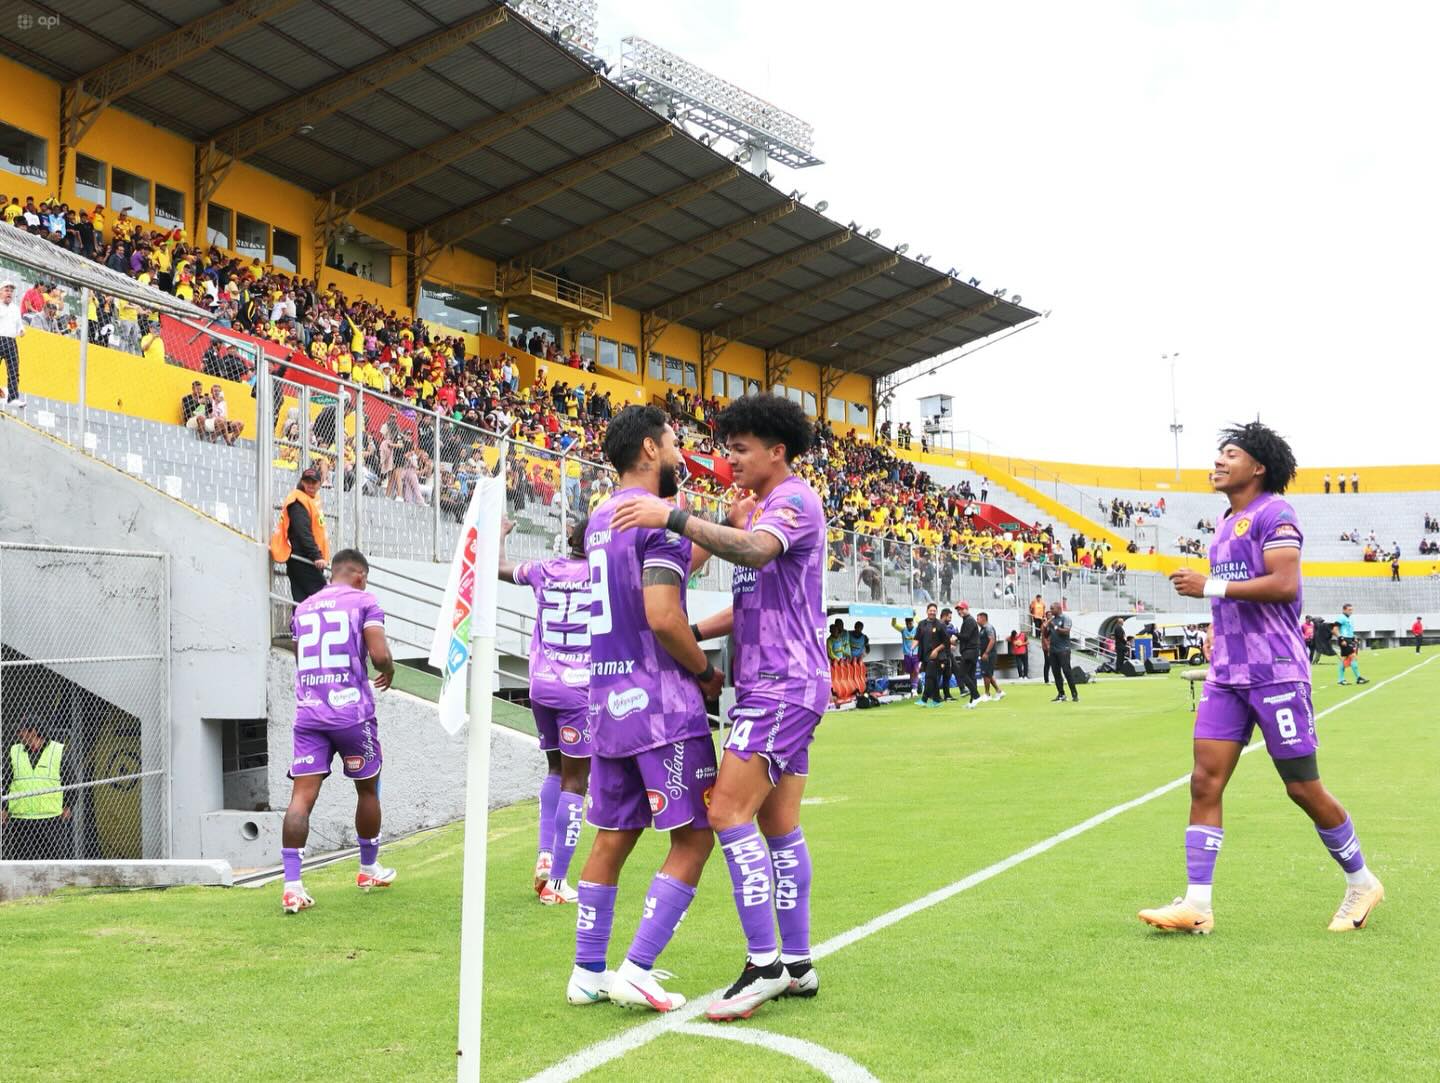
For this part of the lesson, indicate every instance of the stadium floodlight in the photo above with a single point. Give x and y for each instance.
(822, 207)
(573, 23)
(974, 281)
(1000, 293)
(766, 176)
(1015, 300)
(901, 249)
(661, 79)
(305, 129)
(952, 272)
(872, 234)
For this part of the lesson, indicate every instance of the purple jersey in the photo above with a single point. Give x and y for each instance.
(332, 681)
(1256, 643)
(560, 644)
(780, 609)
(640, 698)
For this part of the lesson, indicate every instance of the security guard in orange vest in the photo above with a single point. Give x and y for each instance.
(301, 533)
(36, 828)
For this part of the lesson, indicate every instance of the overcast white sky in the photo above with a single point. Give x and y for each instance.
(1251, 183)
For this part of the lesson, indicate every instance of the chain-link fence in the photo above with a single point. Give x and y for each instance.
(84, 704)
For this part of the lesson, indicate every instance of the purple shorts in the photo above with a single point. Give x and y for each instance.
(563, 728)
(357, 745)
(781, 732)
(663, 788)
(912, 664)
(1282, 711)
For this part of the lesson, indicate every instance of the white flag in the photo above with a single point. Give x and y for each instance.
(470, 597)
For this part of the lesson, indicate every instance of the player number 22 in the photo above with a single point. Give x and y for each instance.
(1285, 720)
(329, 628)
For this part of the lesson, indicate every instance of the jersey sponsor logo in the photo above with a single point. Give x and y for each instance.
(575, 678)
(569, 735)
(309, 699)
(612, 669)
(1242, 526)
(675, 772)
(343, 697)
(1231, 570)
(1285, 530)
(657, 802)
(1286, 698)
(308, 760)
(354, 763)
(744, 579)
(787, 516)
(748, 712)
(628, 702)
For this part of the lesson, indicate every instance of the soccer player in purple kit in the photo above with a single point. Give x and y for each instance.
(335, 630)
(776, 539)
(559, 699)
(1259, 675)
(653, 761)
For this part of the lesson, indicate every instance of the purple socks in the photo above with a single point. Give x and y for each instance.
(549, 794)
(752, 876)
(569, 817)
(665, 904)
(594, 915)
(790, 858)
(1202, 847)
(369, 850)
(1344, 847)
(290, 858)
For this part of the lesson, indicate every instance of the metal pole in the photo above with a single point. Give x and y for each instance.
(169, 717)
(342, 398)
(435, 490)
(304, 426)
(359, 465)
(1175, 427)
(565, 503)
(84, 356)
(264, 443)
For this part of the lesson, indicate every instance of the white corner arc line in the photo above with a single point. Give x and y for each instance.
(827, 1062)
(592, 1057)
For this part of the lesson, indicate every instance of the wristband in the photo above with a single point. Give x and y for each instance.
(675, 522)
(695, 631)
(708, 672)
(1216, 588)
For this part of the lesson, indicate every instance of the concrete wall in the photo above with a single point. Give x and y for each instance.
(424, 774)
(218, 614)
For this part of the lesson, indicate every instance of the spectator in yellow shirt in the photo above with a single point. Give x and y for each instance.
(152, 345)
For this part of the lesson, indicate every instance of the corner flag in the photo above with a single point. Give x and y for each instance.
(468, 609)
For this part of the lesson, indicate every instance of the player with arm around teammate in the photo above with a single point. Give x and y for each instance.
(775, 537)
(652, 761)
(1259, 675)
(560, 701)
(335, 630)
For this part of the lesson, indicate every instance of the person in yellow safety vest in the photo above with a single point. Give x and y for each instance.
(36, 828)
(300, 532)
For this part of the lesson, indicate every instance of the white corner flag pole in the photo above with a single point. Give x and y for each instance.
(465, 636)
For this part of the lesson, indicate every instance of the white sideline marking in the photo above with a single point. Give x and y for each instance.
(592, 1057)
(826, 1061)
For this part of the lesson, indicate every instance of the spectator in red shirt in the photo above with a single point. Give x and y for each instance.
(33, 300)
(1418, 631)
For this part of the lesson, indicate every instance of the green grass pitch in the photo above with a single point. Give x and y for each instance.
(1042, 972)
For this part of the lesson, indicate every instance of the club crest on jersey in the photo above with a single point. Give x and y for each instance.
(569, 735)
(627, 702)
(658, 802)
(1242, 526)
(708, 791)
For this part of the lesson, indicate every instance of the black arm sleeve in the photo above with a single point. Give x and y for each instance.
(6, 778)
(302, 537)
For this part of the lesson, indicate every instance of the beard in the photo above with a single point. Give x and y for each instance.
(669, 481)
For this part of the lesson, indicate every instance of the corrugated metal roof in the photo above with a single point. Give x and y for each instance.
(317, 41)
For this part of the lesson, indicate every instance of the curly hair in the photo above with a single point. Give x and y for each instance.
(1268, 448)
(769, 418)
